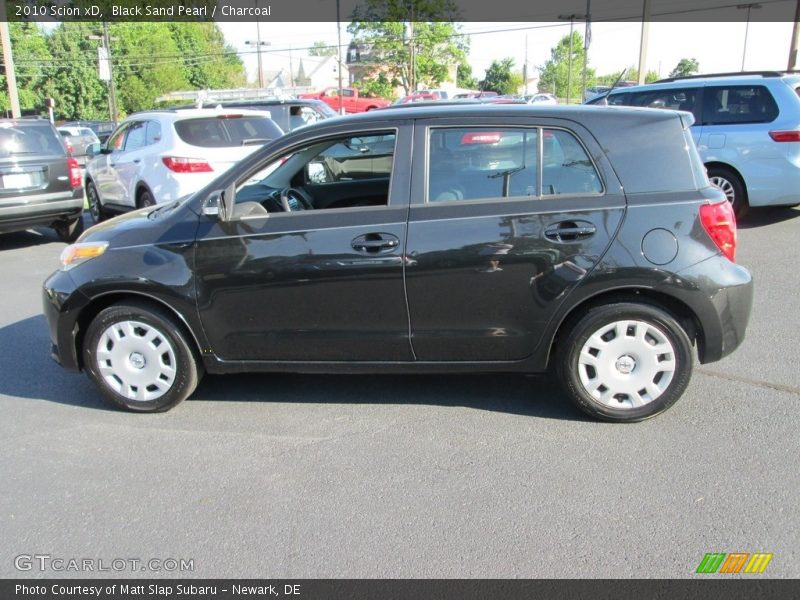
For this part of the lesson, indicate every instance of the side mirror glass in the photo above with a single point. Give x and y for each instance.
(93, 150)
(211, 205)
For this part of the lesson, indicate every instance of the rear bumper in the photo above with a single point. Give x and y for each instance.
(41, 209)
(721, 295)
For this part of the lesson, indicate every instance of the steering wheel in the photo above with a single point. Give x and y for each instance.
(296, 199)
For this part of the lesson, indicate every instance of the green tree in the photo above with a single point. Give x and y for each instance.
(631, 74)
(555, 74)
(322, 49)
(147, 64)
(686, 66)
(208, 62)
(31, 58)
(464, 77)
(501, 79)
(73, 82)
(412, 42)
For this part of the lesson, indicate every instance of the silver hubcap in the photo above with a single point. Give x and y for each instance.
(627, 364)
(136, 360)
(726, 186)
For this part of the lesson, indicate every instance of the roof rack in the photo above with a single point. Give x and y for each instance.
(732, 74)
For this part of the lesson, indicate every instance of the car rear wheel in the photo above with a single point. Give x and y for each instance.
(625, 362)
(69, 231)
(145, 199)
(95, 207)
(730, 183)
(140, 359)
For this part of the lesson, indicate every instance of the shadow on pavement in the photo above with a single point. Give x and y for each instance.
(26, 239)
(30, 373)
(759, 217)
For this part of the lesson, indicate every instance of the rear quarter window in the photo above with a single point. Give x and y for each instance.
(221, 132)
(738, 104)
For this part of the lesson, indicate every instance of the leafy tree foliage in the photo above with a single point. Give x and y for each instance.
(500, 77)
(150, 59)
(30, 43)
(555, 72)
(631, 74)
(392, 32)
(464, 77)
(322, 49)
(685, 66)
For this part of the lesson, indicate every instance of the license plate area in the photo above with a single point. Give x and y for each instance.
(22, 181)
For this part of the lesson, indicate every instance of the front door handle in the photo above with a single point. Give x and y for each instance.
(570, 231)
(375, 243)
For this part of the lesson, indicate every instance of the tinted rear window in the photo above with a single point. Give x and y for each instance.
(19, 139)
(218, 132)
(738, 104)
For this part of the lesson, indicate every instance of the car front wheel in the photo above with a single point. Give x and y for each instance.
(95, 207)
(140, 359)
(625, 362)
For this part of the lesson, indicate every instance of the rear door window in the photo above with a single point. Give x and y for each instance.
(566, 167)
(226, 132)
(136, 136)
(481, 163)
(738, 104)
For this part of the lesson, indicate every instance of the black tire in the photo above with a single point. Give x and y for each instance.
(145, 199)
(142, 317)
(730, 183)
(644, 370)
(95, 206)
(69, 231)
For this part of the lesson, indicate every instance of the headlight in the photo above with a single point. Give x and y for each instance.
(76, 254)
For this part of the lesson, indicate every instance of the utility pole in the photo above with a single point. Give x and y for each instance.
(795, 40)
(749, 7)
(571, 19)
(587, 39)
(8, 63)
(525, 68)
(339, 54)
(105, 69)
(643, 42)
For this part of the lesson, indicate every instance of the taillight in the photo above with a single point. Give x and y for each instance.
(720, 223)
(186, 165)
(74, 172)
(785, 136)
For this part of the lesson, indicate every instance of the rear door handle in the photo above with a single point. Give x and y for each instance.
(375, 243)
(570, 231)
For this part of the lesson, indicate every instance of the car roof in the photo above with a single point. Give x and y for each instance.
(744, 78)
(440, 109)
(194, 113)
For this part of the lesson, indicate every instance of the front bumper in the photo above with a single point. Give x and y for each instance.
(62, 303)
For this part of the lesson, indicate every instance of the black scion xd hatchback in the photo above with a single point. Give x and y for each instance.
(459, 239)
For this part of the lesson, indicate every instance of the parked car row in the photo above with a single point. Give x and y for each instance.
(746, 127)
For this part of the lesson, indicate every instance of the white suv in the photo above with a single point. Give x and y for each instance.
(158, 156)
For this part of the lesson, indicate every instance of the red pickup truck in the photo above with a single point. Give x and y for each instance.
(350, 100)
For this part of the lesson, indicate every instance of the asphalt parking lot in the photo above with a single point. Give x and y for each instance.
(404, 476)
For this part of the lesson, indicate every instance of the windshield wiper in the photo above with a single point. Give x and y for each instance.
(506, 175)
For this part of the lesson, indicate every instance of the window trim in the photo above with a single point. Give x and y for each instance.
(539, 166)
(393, 130)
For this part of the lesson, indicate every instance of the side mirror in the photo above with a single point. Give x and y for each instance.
(220, 203)
(93, 150)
